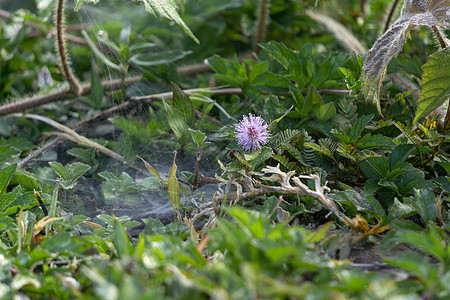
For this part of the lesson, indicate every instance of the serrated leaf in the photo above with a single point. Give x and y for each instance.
(182, 103)
(5, 177)
(70, 173)
(9, 198)
(177, 123)
(435, 87)
(198, 137)
(167, 9)
(414, 13)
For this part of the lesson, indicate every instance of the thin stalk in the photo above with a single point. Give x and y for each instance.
(439, 37)
(70, 77)
(197, 167)
(263, 14)
(391, 13)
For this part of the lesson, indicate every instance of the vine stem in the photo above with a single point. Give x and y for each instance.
(70, 77)
(391, 13)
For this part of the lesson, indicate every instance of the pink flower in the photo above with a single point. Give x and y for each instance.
(251, 132)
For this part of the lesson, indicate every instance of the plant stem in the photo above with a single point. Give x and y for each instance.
(197, 167)
(439, 37)
(70, 77)
(263, 13)
(391, 13)
(63, 94)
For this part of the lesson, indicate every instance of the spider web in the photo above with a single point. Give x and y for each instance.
(90, 195)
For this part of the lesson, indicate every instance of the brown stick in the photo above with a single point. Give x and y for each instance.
(391, 13)
(60, 95)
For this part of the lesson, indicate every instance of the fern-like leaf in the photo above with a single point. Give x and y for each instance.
(285, 162)
(285, 137)
(409, 133)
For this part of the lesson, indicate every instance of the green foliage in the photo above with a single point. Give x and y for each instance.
(304, 67)
(251, 77)
(117, 187)
(435, 87)
(70, 173)
(238, 234)
(394, 173)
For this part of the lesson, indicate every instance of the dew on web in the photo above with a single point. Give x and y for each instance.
(111, 186)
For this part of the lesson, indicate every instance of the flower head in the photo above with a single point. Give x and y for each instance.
(251, 132)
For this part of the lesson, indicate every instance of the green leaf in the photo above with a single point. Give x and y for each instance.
(356, 130)
(411, 262)
(182, 103)
(399, 154)
(167, 9)
(177, 123)
(8, 153)
(173, 186)
(9, 198)
(5, 177)
(400, 210)
(152, 170)
(264, 154)
(80, 3)
(425, 203)
(154, 59)
(375, 167)
(98, 53)
(198, 137)
(325, 111)
(319, 234)
(429, 242)
(120, 239)
(435, 86)
(70, 173)
(313, 99)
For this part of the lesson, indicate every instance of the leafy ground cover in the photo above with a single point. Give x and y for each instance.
(228, 150)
